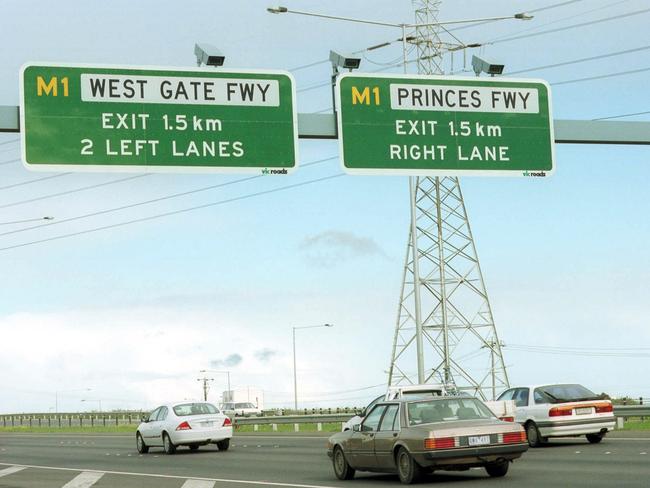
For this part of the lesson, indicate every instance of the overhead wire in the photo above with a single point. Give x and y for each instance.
(174, 212)
(153, 200)
(568, 27)
(68, 192)
(580, 60)
(623, 115)
(563, 19)
(35, 180)
(600, 77)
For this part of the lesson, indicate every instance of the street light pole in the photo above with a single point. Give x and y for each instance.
(295, 375)
(56, 396)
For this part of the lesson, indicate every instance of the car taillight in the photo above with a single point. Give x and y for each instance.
(183, 426)
(507, 418)
(514, 437)
(440, 443)
(226, 422)
(560, 411)
(604, 408)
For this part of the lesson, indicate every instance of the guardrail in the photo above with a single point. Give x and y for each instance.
(622, 412)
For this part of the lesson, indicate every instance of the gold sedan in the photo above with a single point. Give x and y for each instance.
(409, 437)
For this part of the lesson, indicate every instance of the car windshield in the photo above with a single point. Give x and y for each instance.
(566, 393)
(447, 410)
(186, 409)
(244, 405)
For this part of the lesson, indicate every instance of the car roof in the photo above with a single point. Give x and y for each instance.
(434, 398)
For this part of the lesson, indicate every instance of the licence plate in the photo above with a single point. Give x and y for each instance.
(583, 411)
(208, 424)
(479, 440)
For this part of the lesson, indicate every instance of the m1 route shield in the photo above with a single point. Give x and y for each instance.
(103, 118)
(444, 126)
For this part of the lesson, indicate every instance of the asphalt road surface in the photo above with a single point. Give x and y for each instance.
(102, 461)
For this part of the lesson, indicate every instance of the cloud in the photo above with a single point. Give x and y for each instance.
(332, 246)
(265, 354)
(229, 361)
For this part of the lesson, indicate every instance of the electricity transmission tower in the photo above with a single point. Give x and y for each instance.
(444, 325)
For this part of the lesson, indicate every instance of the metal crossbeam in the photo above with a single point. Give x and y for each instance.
(323, 126)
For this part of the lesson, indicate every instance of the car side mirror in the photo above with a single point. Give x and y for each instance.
(145, 418)
(356, 428)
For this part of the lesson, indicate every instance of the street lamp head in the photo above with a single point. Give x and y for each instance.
(328, 325)
(523, 16)
(277, 10)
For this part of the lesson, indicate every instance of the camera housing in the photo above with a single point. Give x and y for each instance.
(340, 60)
(490, 67)
(208, 54)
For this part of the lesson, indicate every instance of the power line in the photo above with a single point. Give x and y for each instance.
(35, 180)
(69, 192)
(622, 115)
(580, 60)
(549, 7)
(154, 200)
(568, 27)
(600, 77)
(175, 212)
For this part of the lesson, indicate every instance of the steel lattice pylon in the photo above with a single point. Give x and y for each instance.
(445, 330)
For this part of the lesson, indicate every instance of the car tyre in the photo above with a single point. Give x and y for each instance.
(194, 447)
(139, 443)
(595, 438)
(342, 469)
(497, 470)
(534, 437)
(223, 445)
(408, 469)
(168, 445)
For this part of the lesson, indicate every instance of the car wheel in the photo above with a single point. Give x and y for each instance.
(168, 445)
(407, 468)
(223, 445)
(595, 438)
(342, 469)
(533, 435)
(496, 470)
(139, 442)
(194, 447)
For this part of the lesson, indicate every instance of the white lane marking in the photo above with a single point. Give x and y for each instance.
(10, 470)
(198, 484)
(169, 476)
(84, 480)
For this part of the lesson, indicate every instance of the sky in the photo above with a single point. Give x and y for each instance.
(128, 316)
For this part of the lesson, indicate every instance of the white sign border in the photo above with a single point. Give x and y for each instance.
(436, 172)
(127, 168)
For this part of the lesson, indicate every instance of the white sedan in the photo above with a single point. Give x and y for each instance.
(564, 410)
(191, 424)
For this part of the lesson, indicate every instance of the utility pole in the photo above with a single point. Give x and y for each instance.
(206, 388)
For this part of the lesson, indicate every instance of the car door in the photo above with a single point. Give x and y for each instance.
(146, 429)
(363, 445)
(385, 437)
(523, 410)
(158, 425)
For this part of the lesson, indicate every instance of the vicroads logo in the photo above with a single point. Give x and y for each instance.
(541, 174)
(267, 171)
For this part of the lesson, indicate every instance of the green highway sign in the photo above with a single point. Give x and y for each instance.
(103, 118)
(444, 126)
